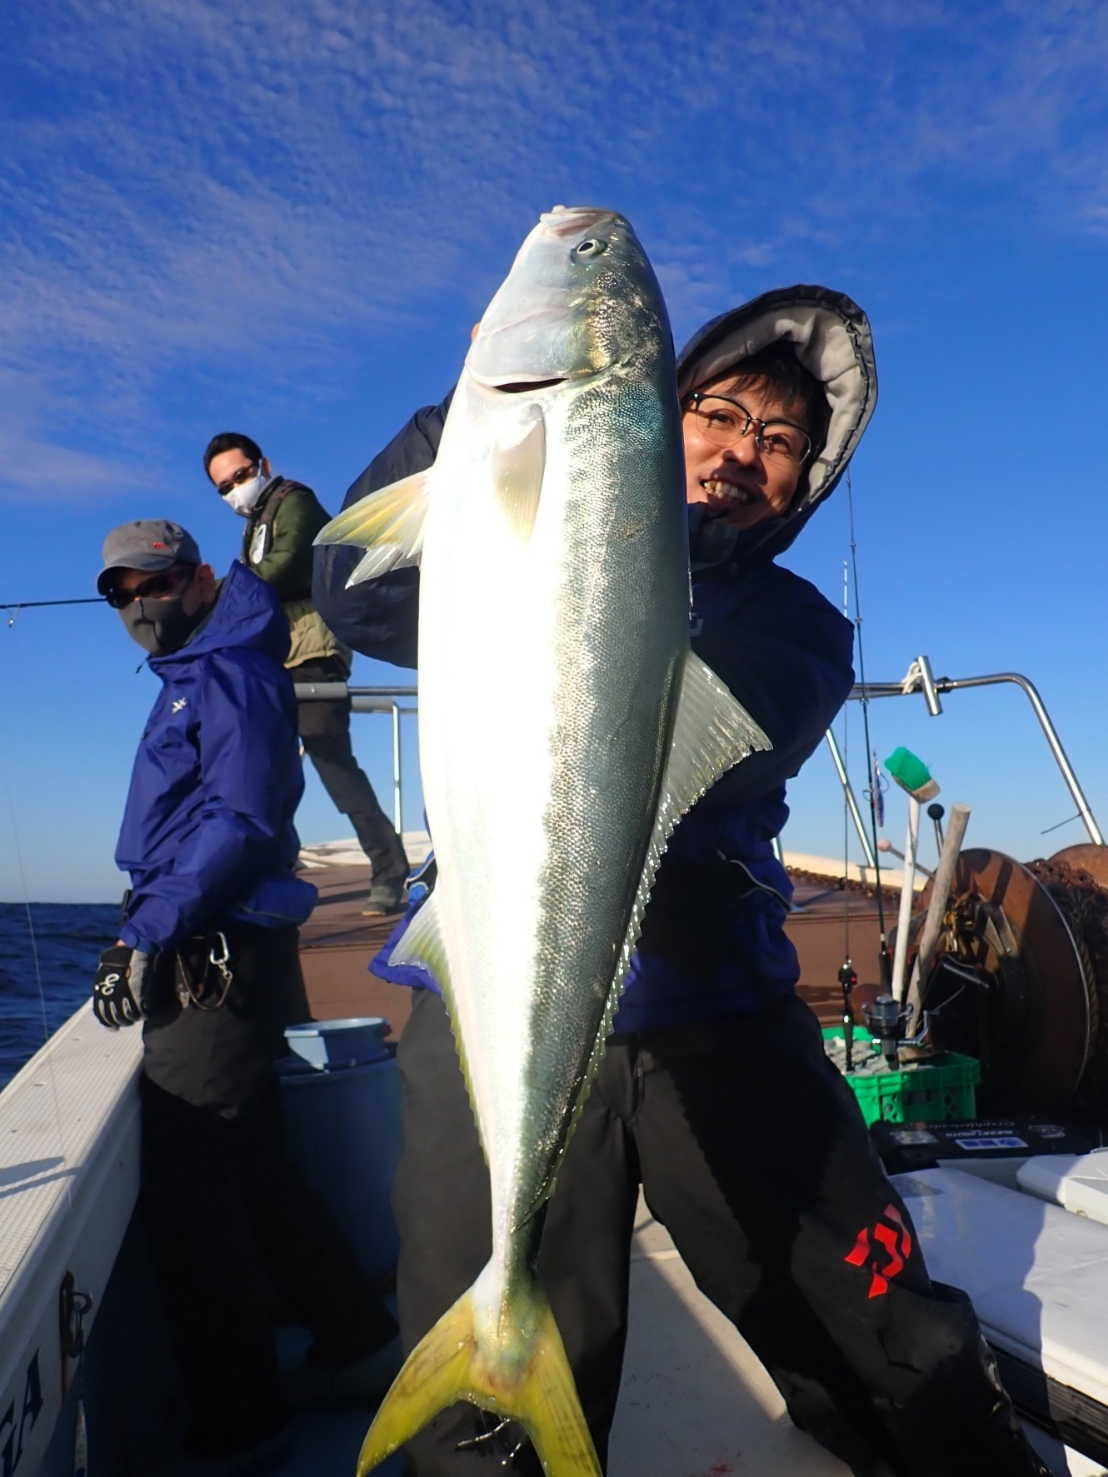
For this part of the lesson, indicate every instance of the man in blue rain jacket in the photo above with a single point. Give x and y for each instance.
(208, 958)
(714, 1093)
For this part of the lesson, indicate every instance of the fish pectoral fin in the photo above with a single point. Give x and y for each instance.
(388, 524)
(522, 1375)
(517, 473)
(712, 732)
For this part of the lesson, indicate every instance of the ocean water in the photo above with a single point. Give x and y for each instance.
(70, 938)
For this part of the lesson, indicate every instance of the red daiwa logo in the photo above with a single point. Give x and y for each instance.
(887, 1237)
(157, 544)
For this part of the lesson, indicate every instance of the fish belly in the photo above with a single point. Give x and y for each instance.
(548, 670)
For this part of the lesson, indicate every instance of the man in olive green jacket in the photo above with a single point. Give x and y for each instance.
(282, 519)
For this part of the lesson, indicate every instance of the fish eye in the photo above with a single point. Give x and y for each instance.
(591, 247)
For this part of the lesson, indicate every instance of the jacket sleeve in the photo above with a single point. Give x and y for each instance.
(379, 617)
(287, 565)
(786, 655)
(251, 781)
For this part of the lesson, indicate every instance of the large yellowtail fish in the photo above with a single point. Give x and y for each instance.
(565, 727)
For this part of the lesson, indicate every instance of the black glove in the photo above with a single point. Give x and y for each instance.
(119, 991)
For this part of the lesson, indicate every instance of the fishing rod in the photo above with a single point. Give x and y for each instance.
(848, 975)
(20, 605)
(33, 604)
(885, 960)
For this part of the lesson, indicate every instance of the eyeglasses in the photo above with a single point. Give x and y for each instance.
(157, 587)
(237, 478)
(725, 422)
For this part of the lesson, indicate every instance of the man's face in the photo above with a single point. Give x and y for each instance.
(742, 484)
(230, 468)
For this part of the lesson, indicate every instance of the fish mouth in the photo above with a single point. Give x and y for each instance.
(567, 221)
(523, 387)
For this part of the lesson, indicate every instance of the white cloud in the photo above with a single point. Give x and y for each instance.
(193, 189)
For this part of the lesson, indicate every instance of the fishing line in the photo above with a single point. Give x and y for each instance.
(1059, 824)
(846, 804)
(47, 1038)
(884, 958)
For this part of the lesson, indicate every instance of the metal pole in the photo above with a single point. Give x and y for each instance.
(1052, 739)
(940, 895)
(907, 896)
(397, 795)
(855, 813)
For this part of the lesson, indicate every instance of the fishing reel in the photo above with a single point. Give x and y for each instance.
(1020, 978)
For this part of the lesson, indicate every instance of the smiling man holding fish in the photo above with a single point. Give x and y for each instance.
(555, 505)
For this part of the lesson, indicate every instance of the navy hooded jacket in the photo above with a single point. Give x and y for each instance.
(208, 833)
(713, 941)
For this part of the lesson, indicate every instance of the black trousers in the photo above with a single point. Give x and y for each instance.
(235, 1229)
(325, 734)
(751, 1150)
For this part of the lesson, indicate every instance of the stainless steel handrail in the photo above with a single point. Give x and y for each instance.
(920, 680)
(369, 700)
(852, 803)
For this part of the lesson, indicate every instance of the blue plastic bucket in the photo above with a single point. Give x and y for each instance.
(353, 1042)
(343, 1128)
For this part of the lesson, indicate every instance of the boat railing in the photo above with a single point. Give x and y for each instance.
(370, 700)
(920, 679)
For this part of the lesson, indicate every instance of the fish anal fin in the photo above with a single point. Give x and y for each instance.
(522, 1374)
(422, 945)
(517, 473)
(388, 524)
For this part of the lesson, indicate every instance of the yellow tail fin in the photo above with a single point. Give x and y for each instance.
(523, 1377)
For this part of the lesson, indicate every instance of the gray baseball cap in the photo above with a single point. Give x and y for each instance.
(148, 544)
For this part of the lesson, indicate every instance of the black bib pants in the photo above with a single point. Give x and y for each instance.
(751, 1150)
(234, 1227)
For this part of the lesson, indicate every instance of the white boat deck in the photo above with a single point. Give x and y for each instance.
(68, 1183)
(1079, 1182)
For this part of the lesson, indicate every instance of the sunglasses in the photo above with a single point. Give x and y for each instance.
(237, 478)
(157, 587)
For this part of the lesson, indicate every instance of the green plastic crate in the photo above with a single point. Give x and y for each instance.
(941, 1090)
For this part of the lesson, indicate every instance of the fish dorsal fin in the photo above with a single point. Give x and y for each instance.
(517, 472)
(388, 524)
(422, 945)
(712, 732)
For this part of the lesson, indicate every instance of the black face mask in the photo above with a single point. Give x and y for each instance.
(161, 626)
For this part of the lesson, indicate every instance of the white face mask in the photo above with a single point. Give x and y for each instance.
(244, 497)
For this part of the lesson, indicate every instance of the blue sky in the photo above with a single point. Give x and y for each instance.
(284, 217)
